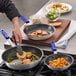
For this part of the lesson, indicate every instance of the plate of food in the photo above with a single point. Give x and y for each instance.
(59, 7)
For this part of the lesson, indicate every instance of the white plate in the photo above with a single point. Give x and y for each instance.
(64, 4)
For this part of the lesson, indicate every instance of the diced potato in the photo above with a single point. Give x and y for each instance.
(28, 54)
(60, 62)
(27, 61)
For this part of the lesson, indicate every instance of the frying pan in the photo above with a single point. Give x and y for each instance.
(69, 59)
(12, 52)
(29, 29)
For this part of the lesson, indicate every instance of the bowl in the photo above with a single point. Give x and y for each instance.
(52, 15)
(30, 29)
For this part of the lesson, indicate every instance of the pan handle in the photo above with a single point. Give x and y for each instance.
(7, 38)
(5, 34)
(24, 19)
(53, 47)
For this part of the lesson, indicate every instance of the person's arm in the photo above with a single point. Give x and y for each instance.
(13, 14)
(10, 9)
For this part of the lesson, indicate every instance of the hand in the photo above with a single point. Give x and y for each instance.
(17, 35)
(17, 32)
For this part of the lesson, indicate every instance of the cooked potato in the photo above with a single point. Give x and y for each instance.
(39, 33)
(60, 62)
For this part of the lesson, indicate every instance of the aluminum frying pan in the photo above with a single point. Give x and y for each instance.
(12, 52)
(34, 27)
(69, 59)
(29, 29)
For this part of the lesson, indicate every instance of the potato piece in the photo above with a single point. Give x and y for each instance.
(44, 33)
(21, 56)
(28, 54)
(60, 62)
(39, 31)
(27, 61)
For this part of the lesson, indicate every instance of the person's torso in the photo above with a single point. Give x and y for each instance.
(1, 5)
(1, 2)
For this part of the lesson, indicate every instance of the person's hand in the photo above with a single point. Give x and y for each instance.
(18, 36)
(16, 32)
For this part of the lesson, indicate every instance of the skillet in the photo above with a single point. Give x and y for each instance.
(11, 52)
(56, 55)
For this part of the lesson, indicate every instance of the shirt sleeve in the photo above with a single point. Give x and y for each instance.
(10, 9)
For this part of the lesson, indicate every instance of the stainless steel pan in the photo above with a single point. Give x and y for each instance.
(12, 52)
(29, 29)
(69, 59)
(55, 56)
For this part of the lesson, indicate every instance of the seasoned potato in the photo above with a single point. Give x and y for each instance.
(38, 33)
(60, 62)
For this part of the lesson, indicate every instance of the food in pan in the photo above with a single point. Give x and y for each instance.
(59, 7)
(30, 57)
(51, 15)
(60, 62)
(39, 33)
(23, 56)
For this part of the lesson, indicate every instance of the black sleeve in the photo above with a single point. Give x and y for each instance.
(10, 9)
